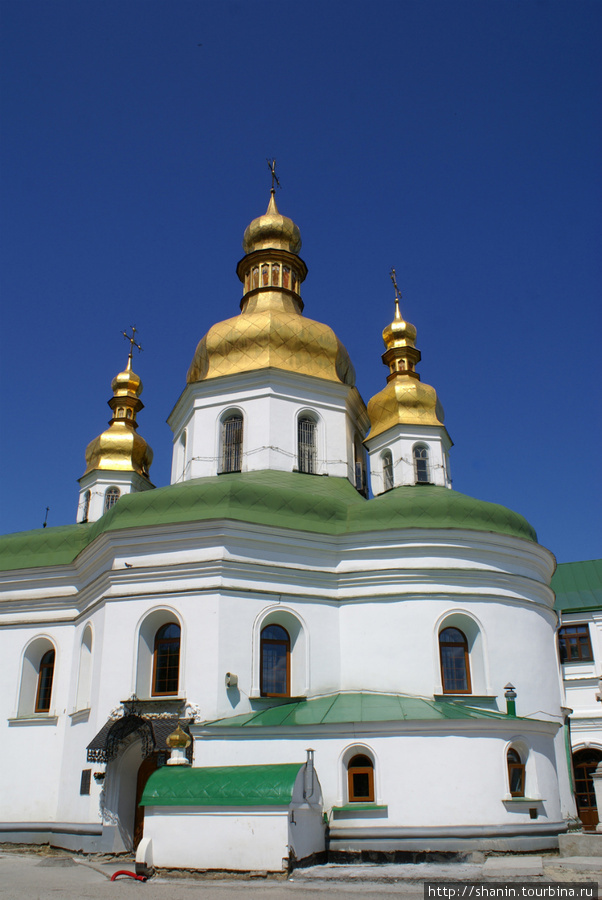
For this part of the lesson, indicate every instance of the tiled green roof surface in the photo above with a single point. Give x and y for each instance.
(221, 786)
(316, 504)
(344, 708)
(578, 585)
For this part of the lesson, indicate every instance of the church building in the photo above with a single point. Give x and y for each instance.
(308, 642)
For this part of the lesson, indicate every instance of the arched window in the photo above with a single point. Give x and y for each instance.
(516, 773)
(421, 465)
(166, 660)
(86, 509)
(455, 668)
(112, 495)
(387, 470)
(306, 445)
(275, 662)
(360, 468)
(360, 779)
(231, 443)
(45, 676)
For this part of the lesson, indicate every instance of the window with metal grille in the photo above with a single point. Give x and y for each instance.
(421, 465)
(306, 443)
(112, 495)
(45, 676)
(231, 444)
(86, 509)
(455, 669)
(387, 470)
(574, 643)
(84, 785)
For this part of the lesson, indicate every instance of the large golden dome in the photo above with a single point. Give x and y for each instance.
(271, 331)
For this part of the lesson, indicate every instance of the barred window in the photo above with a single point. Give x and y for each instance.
(232, 444)
(387, 470)
(84, 785)
(421, 465)
(306, 443)
(112, 495)
(86, 510)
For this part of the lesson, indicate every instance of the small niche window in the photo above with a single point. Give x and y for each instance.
(265, 275)
(84, 785)
(275, 662)
(455, 670)
(86, 509)
(276, 274)
(45, 677)
(516, 773)
(166, 660)
(360, 779)
(286, 277)
(306, 445)
(256, 276)
(112, 495)
(421, 465)
(575, 644)
(232, 444)
(387, 470)
(294, 280)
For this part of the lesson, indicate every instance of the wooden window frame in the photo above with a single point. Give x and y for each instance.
(464, 644)
(280, 642)
(584, 643)
(417, 452)
(515, 765)
(42, 676)
(178, 640)
(360, 770)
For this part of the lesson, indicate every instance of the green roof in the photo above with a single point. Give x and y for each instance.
(578, 585)
(320, 505)
(345, 708)
(221, 786)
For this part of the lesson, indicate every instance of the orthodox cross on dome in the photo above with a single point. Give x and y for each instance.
(133, 342)
(272, 167)
(397, 294)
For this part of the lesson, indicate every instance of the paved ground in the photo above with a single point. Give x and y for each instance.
(54, 875)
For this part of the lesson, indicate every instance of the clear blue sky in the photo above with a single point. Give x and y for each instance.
(458, 141)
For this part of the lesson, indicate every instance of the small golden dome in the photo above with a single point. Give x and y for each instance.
(404, 401)
(399, 333)
(120, 448)
(178, 739)
(272, 231)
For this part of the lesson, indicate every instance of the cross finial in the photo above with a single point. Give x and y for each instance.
(133, 343)
(272, 167)
(397, 294)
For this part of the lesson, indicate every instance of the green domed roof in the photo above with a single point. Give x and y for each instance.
(315, 504)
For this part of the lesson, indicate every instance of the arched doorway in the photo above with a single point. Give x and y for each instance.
(147, 767)
(584, 763)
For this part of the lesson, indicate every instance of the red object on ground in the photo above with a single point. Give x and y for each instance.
(129, 874)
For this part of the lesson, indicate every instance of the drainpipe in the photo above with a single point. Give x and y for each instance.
(308, 775)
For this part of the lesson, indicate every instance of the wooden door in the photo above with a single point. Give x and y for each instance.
(147, 767)
(584, 763)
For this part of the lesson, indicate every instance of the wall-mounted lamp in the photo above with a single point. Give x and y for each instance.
(231, 680)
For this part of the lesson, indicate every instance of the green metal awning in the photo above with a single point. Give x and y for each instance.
(221, 786)
(578, 585)
(356, 707)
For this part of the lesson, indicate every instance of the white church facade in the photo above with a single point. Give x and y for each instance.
(358, 657)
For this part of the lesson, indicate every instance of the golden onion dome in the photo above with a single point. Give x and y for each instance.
(272, 231)
(120, 448)
(271, 331)
(404, 401)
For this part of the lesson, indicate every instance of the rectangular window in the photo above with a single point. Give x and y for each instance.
(574, 644)
(84, 787)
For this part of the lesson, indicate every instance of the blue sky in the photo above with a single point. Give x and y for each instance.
(457, 141)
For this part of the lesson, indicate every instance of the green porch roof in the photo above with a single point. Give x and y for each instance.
(578, 585)
(345, 708)
(221, 786)
(321, 505)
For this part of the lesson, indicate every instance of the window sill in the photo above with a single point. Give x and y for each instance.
(277, 698)
(360, 811)
(35, 719)
(508, 798)
(79, 715)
